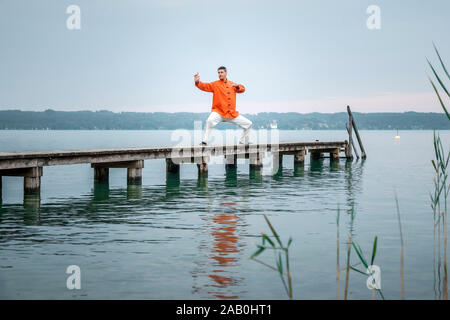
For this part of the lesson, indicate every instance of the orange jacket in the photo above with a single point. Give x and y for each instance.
(224, 96)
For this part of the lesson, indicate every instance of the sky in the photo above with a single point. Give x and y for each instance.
(291, 56)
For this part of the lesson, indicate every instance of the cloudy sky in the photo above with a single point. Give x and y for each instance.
(292, 56)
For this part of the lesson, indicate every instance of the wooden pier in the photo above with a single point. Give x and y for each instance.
(30, 165)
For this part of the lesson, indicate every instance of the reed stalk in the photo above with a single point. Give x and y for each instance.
(338, 273)
(402, 253)
(440, 164)
(278, 251)
(349, 247)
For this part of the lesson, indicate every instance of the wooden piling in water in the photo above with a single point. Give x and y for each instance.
(202, 168)
(315, 155)
(172, 167)
(352, 142)
(334, 155)
(256, 161)
(231, 161)
(299, 157)
(353, 124)
(348, 148)
(101, 174)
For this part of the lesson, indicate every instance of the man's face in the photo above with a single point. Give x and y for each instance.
(222, 74)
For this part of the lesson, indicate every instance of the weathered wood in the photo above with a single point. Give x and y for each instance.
(134, 175)
(22, 172)
(352, 142)
(256, 161)
(230, 161)
(299, 157)
(11, 160)
(172, 167)
(32, 180)
(353, 123)
(101, 174)
(334, 155)
(196, 159)
(315, 155)
(348, 152)
(202, 168)
(277, 162)
(119, 164)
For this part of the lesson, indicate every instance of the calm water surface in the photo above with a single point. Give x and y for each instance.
(191, 239)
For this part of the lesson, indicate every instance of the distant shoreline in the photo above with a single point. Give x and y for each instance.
(108, 120)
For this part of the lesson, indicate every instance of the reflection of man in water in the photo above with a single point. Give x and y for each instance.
(224, 104)
(219, 275)
(225, 241)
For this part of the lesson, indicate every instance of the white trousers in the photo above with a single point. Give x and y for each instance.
(214, 118)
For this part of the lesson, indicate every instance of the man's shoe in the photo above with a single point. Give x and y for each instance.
(203, 143)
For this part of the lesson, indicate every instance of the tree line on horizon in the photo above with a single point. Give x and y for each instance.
(108, 120)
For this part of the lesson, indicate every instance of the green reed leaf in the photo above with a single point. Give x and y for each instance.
(258, 252)
(374, 250)
(440, 100)
(438, 79)
(275, 234)
(442, 63)
(266, 237)
(354, 269)
(359, 253)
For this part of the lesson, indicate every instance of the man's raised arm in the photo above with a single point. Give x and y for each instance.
(202, 85)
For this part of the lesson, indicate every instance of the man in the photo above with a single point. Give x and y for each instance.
(224, 104)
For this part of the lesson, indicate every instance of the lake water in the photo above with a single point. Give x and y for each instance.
(191, 239)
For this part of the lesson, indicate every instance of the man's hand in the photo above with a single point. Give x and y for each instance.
(196, 77)
(236, 85)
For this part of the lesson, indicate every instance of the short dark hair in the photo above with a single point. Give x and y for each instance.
(222, 68)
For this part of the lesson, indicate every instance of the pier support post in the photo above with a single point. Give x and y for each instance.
(32, 180)
(230, 161)
(334, 155)
(315, 155)
(172, 167)
(256, 161)
(202, 169)
(134, 191)
(32, 202)
(134, 175)
(277, 158)
(101, 174)
(277, 162)
(299, 157)
(134, 170)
